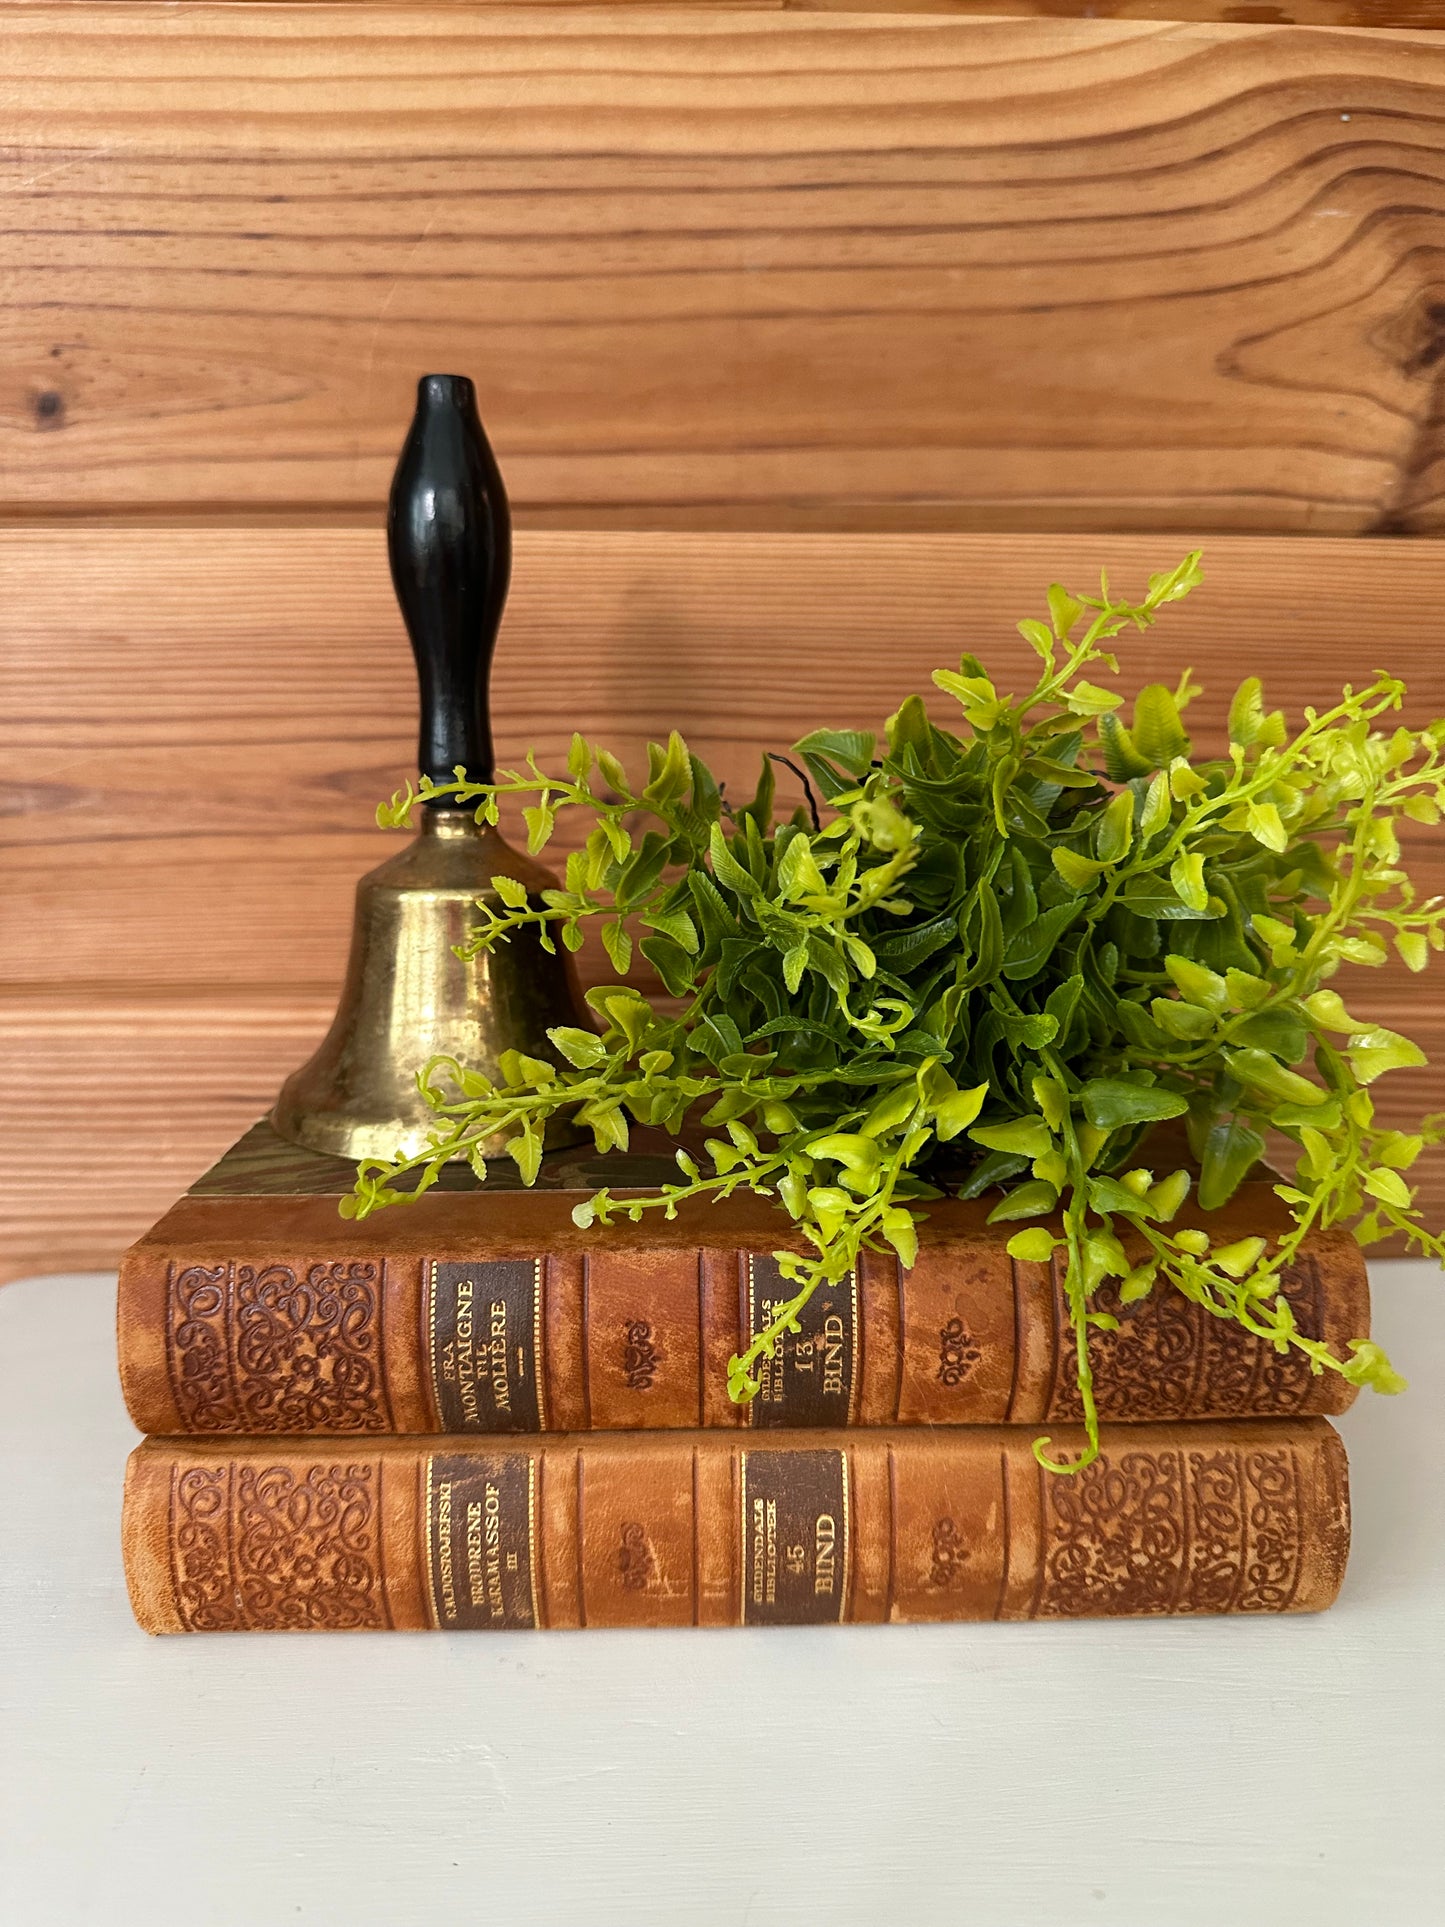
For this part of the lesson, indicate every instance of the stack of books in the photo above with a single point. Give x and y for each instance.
(466, 1413)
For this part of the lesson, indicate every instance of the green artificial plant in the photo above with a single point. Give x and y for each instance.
(1036, 934)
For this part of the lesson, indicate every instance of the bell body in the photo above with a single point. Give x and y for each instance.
(409, 997)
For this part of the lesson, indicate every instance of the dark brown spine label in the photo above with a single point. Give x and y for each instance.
(483, 1326)
(812, 1378)
(796, 1538)
(481, 1530)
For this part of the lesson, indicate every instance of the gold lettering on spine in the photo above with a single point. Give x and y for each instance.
(480, 1572)
(796, 1537)
(483, 1331)
(812, 1377)
(440, 1562)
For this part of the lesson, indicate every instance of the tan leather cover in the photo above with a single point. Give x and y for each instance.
(698, 1528)
(495, 1313)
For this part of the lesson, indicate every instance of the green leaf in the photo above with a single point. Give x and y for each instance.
(539, 819)
(1151, 897)
(677, 926)
(1108, 1196)
(1121, 758)
(1246, 991)
(1246, 712)
(1026, 1136)
(1186, 873)
(1168, 1195)
(893, 1109)
(726, 868)
(1414, 948)
(851, 749)
(997, 1168)
(1079, 872)
(1032, 1200)
(1138, 1284)
(1114, 829)
(1390, 1188)
(1159, 733)
(526, 1153)
(1064, 610)
(1260, 1072)
(1373, 1052)
(1157, 812)
(512, 891)
(1113, 1103)
(1278, 1031)
(1032, 1247)
(1231, 1151)
(1198, 984)
(957, 1112)
(519, 1071)
(1037, 637)
(1239, 1258)
(1328, 1010)
(1024, 954)
(672, 963)
(1369, 1366)
(581, 1048)
(900, 1230)
(1265, 826)
(1087, 699)
(1185, 1021)
(618, 945)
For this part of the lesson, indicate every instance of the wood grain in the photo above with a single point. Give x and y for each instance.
(196, 724)
(793, 270)
(111, 1102)
(1412, 15)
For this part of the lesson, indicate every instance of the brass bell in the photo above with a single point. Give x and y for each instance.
(407, 996)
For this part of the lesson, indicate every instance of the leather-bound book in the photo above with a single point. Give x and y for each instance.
(703, 1528)
(254, 1308)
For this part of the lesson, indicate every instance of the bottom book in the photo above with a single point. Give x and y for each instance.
(700, 1528)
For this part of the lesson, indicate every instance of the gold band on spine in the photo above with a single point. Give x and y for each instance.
(856, 1341)
(532, 1526)
(537, 1362)
(845, 1591)
(429, 1292)
(744, 1566)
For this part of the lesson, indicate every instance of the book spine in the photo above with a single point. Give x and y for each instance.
(619, 1337)
(709, 1529)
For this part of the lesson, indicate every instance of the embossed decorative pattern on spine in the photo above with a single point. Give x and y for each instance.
(1179, 1361)
(277, 1349)
(271, 1548)
(1171, 1532)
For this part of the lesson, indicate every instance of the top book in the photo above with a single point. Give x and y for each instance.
(253, 1307)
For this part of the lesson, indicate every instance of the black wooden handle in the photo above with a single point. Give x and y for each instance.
(449, 537)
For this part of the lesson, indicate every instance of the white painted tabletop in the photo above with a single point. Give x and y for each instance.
(1141, 1774)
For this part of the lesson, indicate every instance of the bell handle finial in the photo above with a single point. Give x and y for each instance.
(449, 539)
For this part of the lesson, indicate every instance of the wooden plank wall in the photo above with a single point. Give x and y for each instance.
(813, 345)
(722, 269)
